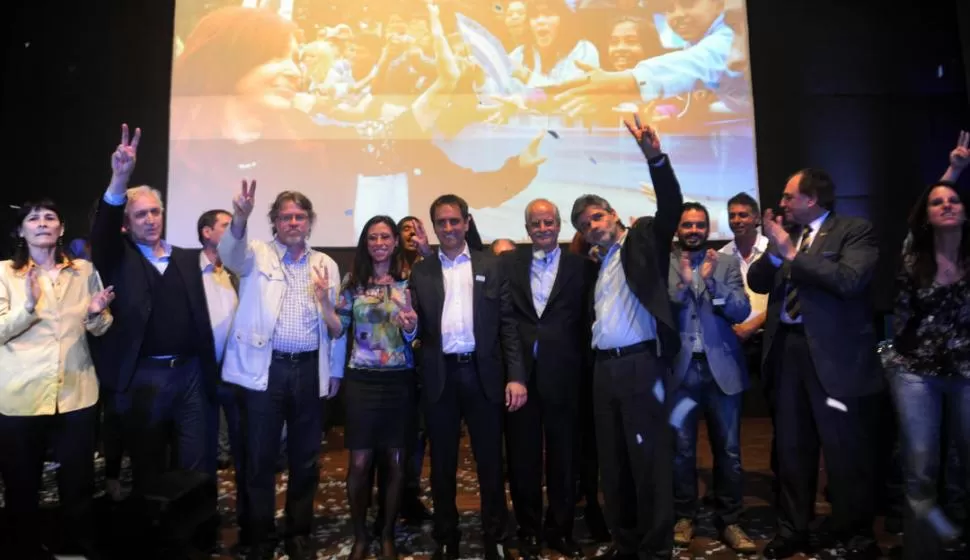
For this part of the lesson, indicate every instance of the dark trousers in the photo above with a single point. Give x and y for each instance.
(24, 441)
(805, 419)
(723, 415)
(586, 457)
(923, 405)
(635, 453)
(463, 397)
(166, 405)
(112, 436)
(228, 438)
(292, 396)
(526, 429)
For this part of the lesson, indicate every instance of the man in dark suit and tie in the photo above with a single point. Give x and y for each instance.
(634, 338)
(550, 290)
(820, 361)
(708, 296)
(159, 360)
(467, 330)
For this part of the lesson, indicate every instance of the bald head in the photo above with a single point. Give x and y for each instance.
(500, 246)
(542, 222)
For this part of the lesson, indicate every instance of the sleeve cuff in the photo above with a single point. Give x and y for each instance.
(115, 200)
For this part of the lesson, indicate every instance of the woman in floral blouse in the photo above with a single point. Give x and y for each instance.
(930, 369)
(380, 380)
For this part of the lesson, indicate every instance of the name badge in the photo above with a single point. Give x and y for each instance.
(719, 301)
(479, 278)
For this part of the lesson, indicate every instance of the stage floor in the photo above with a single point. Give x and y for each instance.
(333, 535)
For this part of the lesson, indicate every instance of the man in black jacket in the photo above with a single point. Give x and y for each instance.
(550, 288)
(158, 363)
(466, 326)
(634, 338)
(820, 360)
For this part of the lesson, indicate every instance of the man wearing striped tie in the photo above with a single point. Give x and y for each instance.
(820, 362)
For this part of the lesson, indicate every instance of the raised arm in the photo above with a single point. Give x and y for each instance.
(234, 249)
(959, 158)
(665, 184)
(107, 240)
(429, 105)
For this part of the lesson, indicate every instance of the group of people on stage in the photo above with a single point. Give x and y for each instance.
(630, 332)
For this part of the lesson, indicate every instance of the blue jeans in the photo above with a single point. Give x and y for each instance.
(292, 396)
(922, 404)
(723, 415)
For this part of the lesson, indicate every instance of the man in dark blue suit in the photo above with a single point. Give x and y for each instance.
(820, 361)
(708, 295)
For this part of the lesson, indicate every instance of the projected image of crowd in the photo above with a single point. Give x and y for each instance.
(364, 60)
(369, 94)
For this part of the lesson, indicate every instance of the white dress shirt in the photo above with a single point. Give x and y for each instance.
(759, 302)
(221, 299)
(621, 320)
(457, 313)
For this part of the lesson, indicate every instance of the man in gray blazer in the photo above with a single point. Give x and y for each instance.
(709, 373)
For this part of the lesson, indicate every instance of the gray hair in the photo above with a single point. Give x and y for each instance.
(142, 191)
(528, 209)
(584, 202)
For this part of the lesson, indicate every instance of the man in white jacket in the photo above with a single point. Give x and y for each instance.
(286, 357)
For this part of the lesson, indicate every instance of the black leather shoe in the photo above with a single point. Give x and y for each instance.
(446, 551)
(496, 551)
(781, 547)
(863, 551)
(529, 548)
(298, 548)
(413, 511)
(566, 547)
(262, 551)
(613, 554)
(596, 525)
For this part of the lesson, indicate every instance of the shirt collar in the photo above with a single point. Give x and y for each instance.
(817, 222)
(464, 253)
(149, 254)
(760, 245)
(284, 254)
(549, 257)
(204, 263)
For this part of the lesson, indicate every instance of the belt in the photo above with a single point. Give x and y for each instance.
(613, 353)
(460, 358)
(295, 357)
(170, 362)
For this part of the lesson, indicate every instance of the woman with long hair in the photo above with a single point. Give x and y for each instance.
(929, 371)
(48, 387)
(554, 51)
(380, 380)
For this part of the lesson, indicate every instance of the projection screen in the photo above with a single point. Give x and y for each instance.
(379, 106)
